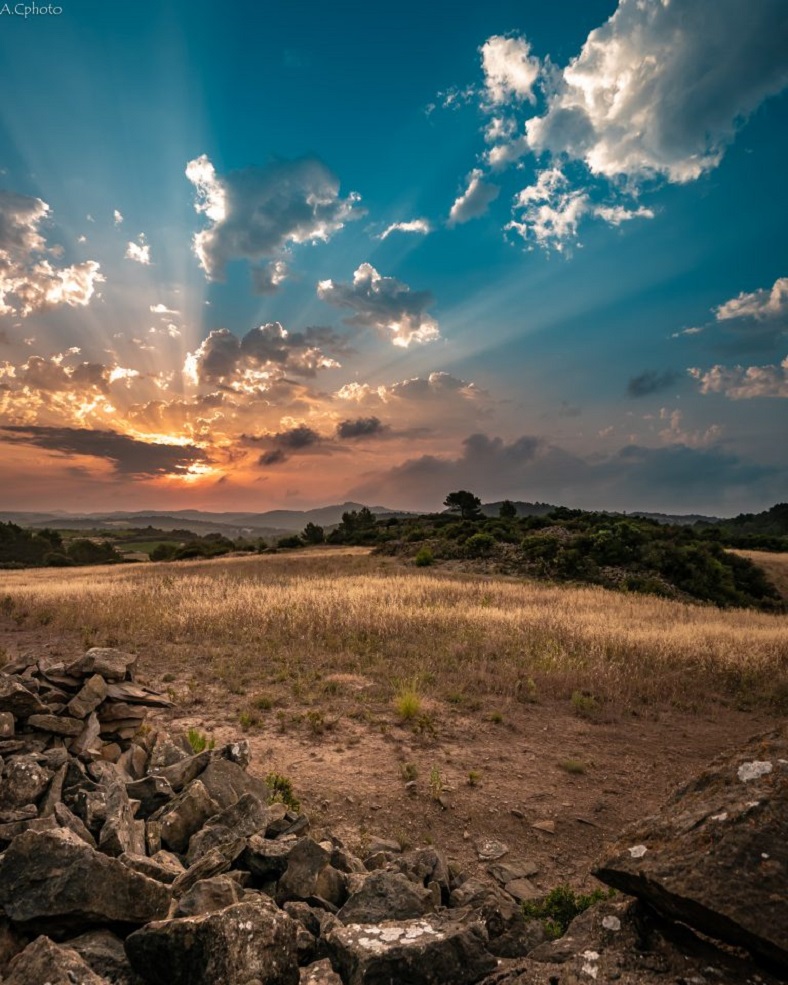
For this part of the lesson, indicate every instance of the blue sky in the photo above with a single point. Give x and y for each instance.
(287, 254)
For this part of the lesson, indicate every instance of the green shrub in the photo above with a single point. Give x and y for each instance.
(282, 791)
(479, 545)
(560, 907)
(424, 558)
(199, 740)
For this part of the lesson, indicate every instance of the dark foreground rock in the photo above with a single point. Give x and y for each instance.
(43, 961)
(716, 856)
(253, 941)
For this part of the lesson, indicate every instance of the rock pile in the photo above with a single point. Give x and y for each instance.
(127, 858)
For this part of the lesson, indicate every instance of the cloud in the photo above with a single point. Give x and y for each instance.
(754, 321)
(361, 427)
(295, 439)
(268, 278)
(117, 217)
(384, 304)
(761, 305)
(474, 201)
(744, 383)
(265, 353)
(139, 251)
(510, 70)
(651, 381)
(129, 456)
(675, 477)
(162, 309)
(434, 387)
(420, 226)
(661, 87)
(256, 212)
(28, 280)
(550, 211)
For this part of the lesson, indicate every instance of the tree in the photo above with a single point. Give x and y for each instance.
(313, 534)
(507, 510)
(464, 503)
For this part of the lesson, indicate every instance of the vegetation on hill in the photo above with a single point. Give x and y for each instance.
(21, 548)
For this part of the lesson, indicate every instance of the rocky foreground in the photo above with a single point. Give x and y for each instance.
(126, 857)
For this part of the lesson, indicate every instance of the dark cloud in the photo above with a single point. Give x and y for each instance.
(651, 381)
(257, 212)
(268, 349)
(297, 438)
(383, 303)
(268, 278)
(273, 457)
(283, 443)
(129, 456)
(674, 479)
(361, 427)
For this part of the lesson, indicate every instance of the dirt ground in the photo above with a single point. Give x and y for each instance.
(540, 767)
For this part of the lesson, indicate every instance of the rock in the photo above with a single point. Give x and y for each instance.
(19, 700)
(134, 761)
(320, 973)
(185, 815)
(377, 844)
(732, 818)
(239, 753)
(427, 865)
(429, 951)
(70, 822)
(386, 896)
(164, 867)
(10, 831)
(54, 793)
(43, 961)
(213, 863)
(138, 695)
(250, 941)
(266, 858)
(111, 664)
(504, 873)
(547, 826)
(11, 943)
(119, 832)
(179, 774)
(208, 895)
(104, 953)
(309, 874)
(7, 725)
(89, 698)
(247, 817)
(522, 890)
(88, 738)
(55, 875)
(24, 782)
(226, 782)
(152, 792)
(489, 849)
(56, 724)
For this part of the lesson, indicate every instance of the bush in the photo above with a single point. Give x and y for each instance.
(560, 907)
(479, 545)
(292, 541)
(424, 558)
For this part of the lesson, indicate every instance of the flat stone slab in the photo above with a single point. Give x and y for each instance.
(716, 855)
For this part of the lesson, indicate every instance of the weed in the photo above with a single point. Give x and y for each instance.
(316, 721)
(248, 719)
(526, 691)
(585, 704)
(424, 558)
(496, 718)
(474, 778)
(168, 678)
(425, 725)
(436, 783)
(574, 766)
(282, 791)
(408, 703)
(263, 702)
(199, 740)
(409, 772)
(561, 905)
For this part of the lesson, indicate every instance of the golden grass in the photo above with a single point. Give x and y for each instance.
(292, 620)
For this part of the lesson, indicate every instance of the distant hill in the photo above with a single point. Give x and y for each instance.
(273, 523)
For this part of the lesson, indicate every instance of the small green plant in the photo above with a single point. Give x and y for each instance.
(575, 766)
(248, 719)
(282, 791)
(168, 678)
(436, 783)
(424, 558)
(474, 778)
(585, 704)
(560, 907)
(316, 722)
(408, 702)
(496, 718)
(409, 772)
(526, 691)
(263, 702)
(199, 740)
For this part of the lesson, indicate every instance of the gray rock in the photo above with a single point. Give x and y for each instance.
(55, 875)
(152, 792)
(185, 815)
(226, 782)
(319, 973)
(250, 941)
(503, 872)
(88, 738)
(119, 833)
(56, 724)
(213, 863)
(24, 782)
(266, 858)
(11, 943)
(386, 896)
(19, 700)
(164, 868)
(111, 664)
(89, 698)
(489, 849)
(43, 961)
(426, 865)
(69, 821)
(103, 951)
(732, 818)
(239, 753)
(429, 951)
(309, 874)
(181, 772)
(10, 831)
(246, 817)
(208, 895)
(7, 725)
(522, 890)
(54, 793)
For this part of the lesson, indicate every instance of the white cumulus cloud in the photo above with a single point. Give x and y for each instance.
(744, 382)
(139, 251)
(420, 226)
(475, 200)
(510, 70)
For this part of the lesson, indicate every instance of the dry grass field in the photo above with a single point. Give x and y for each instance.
(515, 702)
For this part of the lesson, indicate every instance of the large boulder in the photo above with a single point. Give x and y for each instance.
(24, 782)
(111, 664)
(185, 815)
(386, 896)
(250, 941)
(57, 877)
(430, 951)
(716, 855)
(246, 817)
(19, 700)
(43, 961)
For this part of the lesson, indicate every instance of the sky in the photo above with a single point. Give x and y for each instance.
(263, 255)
